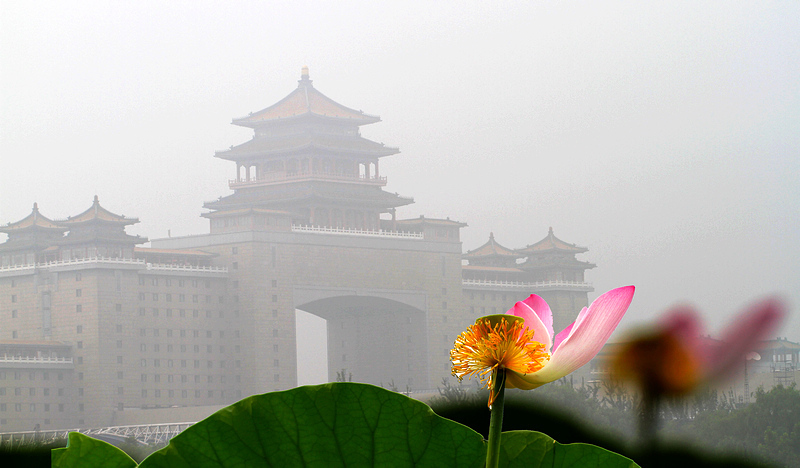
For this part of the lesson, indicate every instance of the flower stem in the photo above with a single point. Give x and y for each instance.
(496, 421)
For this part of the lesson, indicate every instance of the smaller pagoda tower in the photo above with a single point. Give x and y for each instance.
(552, 259)
(30, 240)
(98, 232)
(492, 262)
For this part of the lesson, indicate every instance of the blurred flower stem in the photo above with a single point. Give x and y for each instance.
(496, 421)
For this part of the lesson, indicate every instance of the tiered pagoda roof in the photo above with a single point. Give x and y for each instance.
(492, 252)
(306, 141)
(34, 231)
(551, 243)
(99, 224)
(552, 251)
(303, 103)
(98, 215)
(306, 154)
(34, 221)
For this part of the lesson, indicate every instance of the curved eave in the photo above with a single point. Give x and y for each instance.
(365, 119)
(71, 223)
(100, 238)
(243, 155)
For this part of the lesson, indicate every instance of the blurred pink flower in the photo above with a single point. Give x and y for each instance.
(674, 358)
(578, 343)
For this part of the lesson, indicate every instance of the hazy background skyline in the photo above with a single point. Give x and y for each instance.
(665, 137)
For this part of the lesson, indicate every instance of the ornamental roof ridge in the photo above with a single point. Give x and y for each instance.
(33, 220)
(98, 213)
(491, 249)
(305, 100)
(551, 242)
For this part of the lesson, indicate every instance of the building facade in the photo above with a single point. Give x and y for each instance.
(208, 319)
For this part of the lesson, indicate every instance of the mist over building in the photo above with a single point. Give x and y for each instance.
(96, 326)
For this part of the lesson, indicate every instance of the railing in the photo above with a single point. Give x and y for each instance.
(357, 232)
(74, 261)
(148, 434)
(570, 285)
(186, 268)
(274, 177)
(35, 359)
(116, 261)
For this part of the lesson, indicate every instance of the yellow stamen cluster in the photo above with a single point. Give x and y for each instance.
(494, 343)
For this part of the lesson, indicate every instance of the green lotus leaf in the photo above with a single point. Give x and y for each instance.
(337, 424)
(533, 449)
(84, 451)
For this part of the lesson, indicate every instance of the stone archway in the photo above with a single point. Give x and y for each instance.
(378, 340)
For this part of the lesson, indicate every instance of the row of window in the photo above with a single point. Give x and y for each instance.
(168, 282)
(156, 332)
(31, 391)
(181, 297)
(31, 375)
(32, 407)
(182, 313)
(184, 378)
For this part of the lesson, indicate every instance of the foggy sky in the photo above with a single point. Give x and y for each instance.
(664, 136)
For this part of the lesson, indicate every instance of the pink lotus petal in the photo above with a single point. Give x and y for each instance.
(587, 337)
(533, 322)
(752, 326)
(563, 334)
(683, 322)
(542, 309)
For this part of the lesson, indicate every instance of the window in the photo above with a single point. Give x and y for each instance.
(169, 297)
(155, 312)
(79, 329)
(77, 276)
(13, 298)
(80, 344)
(118, 307)
(119, 359)
(181, 298)
(274, 283)
(14, 313)
(155, 296)
(235, 265)
(46, 391)
(119, 344)
(154, 281)
(78, 293)
(119, 375)
(234, 250)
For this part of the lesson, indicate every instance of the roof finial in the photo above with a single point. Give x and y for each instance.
(35, 206)
(550, 232)
(96, 200)
(304, 72)
(491, 236)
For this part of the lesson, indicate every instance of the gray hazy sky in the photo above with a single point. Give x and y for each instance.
(664, 136)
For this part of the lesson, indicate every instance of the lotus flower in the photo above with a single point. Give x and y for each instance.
(506, 341)
(673, 359)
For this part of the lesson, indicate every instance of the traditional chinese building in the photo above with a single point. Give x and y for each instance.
(496, 276)
(208, 319)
